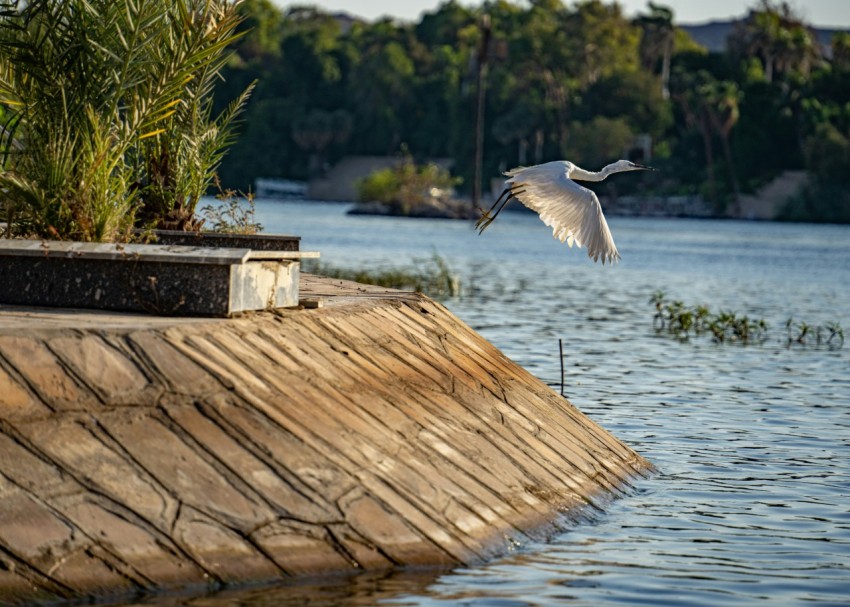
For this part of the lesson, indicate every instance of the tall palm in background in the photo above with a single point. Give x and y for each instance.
(780, 39)
(657, 42)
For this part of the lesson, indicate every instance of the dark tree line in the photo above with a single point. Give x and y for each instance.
(580, 82)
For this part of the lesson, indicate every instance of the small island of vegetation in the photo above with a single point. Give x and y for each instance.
(411, 190)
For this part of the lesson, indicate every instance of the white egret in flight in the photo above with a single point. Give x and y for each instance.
(572, 211)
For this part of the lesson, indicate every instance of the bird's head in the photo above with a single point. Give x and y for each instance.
(628, 165)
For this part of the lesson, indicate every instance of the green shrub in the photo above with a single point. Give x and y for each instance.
(380, 186)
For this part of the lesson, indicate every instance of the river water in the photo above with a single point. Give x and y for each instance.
(751, 504)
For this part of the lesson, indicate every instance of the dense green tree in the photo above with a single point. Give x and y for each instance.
(517, 125)
(766, 139)
(721, 99)
(381, 89)
(599, 140)
(310, 57)
(687, 89)
(634, 96)
(827, 195)
(446, 26)
(601, 40)
(828, 154)
(263, 21)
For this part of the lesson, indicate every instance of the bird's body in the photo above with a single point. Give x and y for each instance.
(572, 211)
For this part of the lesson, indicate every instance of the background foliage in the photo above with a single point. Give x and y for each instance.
(558, 76)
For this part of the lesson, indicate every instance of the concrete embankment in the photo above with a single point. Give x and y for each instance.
(139, 452)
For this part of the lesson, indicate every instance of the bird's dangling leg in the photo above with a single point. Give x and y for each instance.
(486, 219)
(513, 194)
(498, 200)
(486, 214)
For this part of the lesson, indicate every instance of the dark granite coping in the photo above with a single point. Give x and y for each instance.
(142, 252)
(262, 241)
(223, 235)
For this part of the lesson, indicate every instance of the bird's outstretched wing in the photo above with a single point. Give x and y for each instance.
(572, 211)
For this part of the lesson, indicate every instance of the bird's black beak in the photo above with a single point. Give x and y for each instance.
(644, 167)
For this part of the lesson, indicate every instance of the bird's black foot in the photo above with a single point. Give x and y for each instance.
(483, 221)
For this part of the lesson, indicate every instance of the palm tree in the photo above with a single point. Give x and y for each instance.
(180, 161)
(98, 92)
(711, 107)
(778, 38)
(657, 42)
(720, 103)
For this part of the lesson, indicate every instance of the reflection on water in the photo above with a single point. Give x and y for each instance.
(363, 590)
(752, 502)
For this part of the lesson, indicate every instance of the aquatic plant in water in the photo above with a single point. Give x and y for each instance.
(682, 322)
(830, 334)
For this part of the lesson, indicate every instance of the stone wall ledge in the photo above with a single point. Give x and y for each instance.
(169, 280)
(141, 453)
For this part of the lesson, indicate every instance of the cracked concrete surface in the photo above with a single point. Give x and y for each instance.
(142, 453)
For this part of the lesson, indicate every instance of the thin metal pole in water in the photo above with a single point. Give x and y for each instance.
(561, 348)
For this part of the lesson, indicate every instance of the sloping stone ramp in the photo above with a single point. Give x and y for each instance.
(376, 431)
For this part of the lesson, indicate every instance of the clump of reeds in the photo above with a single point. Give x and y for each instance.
(683, 322)
(829, 334)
